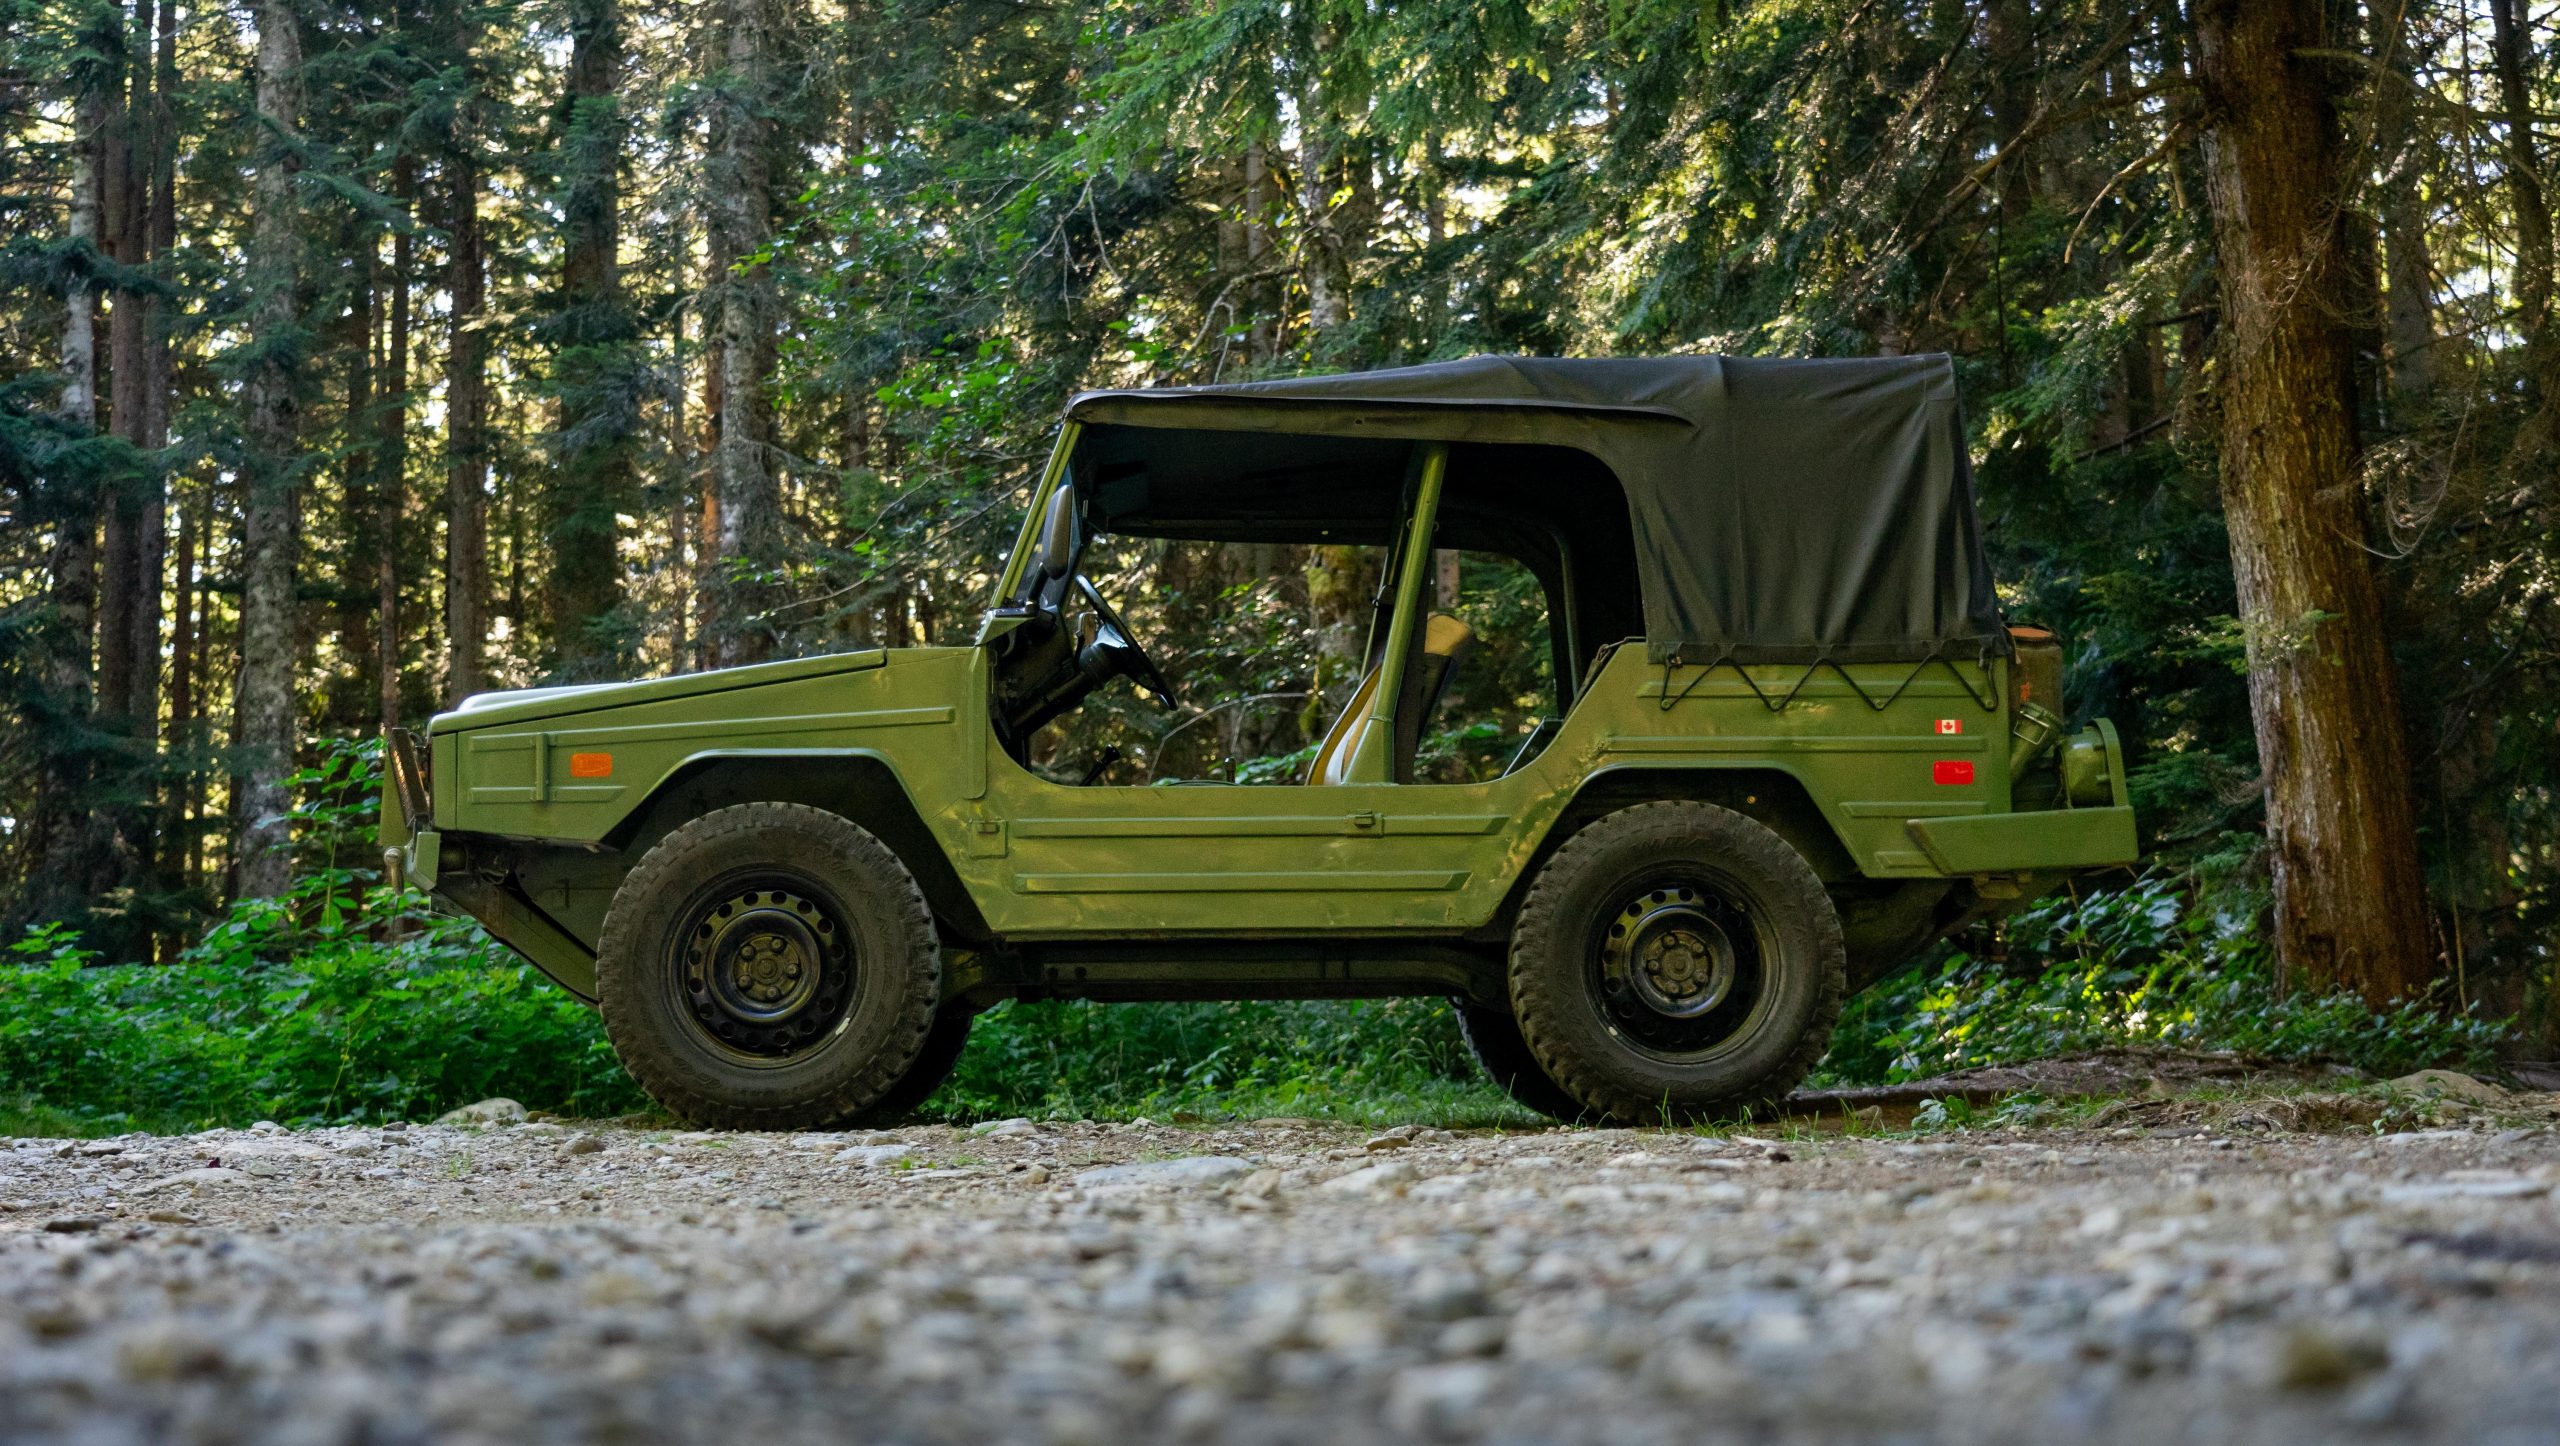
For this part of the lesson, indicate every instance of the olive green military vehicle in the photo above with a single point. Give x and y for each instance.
(1791, 743)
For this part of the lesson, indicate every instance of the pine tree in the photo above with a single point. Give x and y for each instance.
(272, 464)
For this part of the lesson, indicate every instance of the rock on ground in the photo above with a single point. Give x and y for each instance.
(1109, 1283)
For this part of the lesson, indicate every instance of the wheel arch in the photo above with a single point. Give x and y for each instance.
(858, 786)
(1767, 794)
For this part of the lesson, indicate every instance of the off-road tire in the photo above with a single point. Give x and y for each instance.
(1493, 1037)
(934, 1064)
(872, 911)
(1611, 866)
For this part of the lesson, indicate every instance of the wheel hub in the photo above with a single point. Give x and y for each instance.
(765, 971)
(1674, 954)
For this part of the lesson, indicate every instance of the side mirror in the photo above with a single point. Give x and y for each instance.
(1058, 534)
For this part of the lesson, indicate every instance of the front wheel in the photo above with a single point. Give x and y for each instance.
(769, 966)
(1676, 962)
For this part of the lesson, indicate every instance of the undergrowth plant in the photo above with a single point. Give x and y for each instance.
(2143, 966)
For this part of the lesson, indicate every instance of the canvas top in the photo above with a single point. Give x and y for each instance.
(1783, 510)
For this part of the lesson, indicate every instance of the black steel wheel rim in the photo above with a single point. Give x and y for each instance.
(765, 968)
(1679, 964)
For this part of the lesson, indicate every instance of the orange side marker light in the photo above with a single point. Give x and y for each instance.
(591, 765)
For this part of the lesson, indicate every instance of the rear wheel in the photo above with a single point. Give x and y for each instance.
(769, 966)
(1675, 962)
(1493, 1037)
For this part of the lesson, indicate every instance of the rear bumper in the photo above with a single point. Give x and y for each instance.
(2099, 831)
(2000, 843)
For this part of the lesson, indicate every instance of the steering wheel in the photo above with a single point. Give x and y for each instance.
(1121, 649)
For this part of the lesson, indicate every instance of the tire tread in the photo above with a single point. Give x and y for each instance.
(1539, 998)
(623, 957)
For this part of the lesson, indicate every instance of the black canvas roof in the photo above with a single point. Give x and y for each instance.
(1783, 510)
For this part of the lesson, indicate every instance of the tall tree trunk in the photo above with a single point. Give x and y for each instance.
(595, 480)
(750, 502)
(2408, 272)
(708, 602)
(466, 546)
(359, 505)
(151, 840)
(271, 539)
(2008, 43)
(126, 218)
(391, 451)
(180, 846)
(682, 467)
(63, 837)
(1262, 338)
(2533, 228)
(2350, 906)
(1326, 245)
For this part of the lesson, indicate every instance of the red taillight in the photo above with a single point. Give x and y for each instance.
(1951, 771)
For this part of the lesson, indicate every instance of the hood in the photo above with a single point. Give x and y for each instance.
(520, 705)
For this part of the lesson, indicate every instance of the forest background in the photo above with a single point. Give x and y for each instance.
(357, 355)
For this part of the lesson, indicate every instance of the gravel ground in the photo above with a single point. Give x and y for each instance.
(1283, 1281)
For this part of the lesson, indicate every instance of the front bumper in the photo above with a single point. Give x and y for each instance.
(410, 844)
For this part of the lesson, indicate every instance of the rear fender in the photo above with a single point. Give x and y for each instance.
(1772, 796)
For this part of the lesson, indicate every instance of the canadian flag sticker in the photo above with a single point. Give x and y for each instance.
(1951, 725)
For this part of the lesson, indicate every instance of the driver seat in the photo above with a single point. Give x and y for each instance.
(1444, 640)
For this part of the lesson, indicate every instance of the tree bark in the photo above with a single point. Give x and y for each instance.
(1326, 245)
(159, 380)
(179, 845)
(391, 451)
(271, 534)
(748, 542)
(62, 837)
(466, 546)
(2008, 43)
(2533, 281)
(361, 344)
(2350, 906)
(1262, 337)
(596, 474)
(126, 219)
(2408, 272)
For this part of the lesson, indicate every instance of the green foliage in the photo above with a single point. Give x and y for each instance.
(1373, 1061)
(2142, 967)
(338, 1001)
(349, 1029)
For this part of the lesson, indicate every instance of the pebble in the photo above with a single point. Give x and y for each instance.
(1279, 1282)
(1190, 1170)
(1373, 1179)
(485, 1112)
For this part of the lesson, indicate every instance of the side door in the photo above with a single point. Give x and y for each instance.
(1364, 855)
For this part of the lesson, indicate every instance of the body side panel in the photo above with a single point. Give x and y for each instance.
(1442, 858)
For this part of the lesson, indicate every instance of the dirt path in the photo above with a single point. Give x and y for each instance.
(1281, 1282)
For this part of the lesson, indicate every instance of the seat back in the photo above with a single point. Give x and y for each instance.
(1444, 640)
